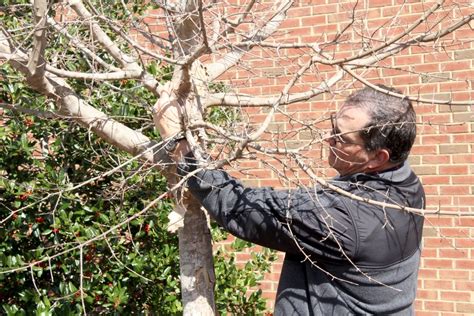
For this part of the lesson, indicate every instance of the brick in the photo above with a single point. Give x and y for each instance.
(451, 313)
(420, 312)
(289, 23)
(454, 232)
(435, 159)
(273, 72)
(438, 243)
(436, 118)
(271, 183)
(453, 253)
(266, 286)
(465, 221)
(425, 69)
(379, 3)
(425, 170)
(438, 57)
(465, 307)
(464, 54)
(424, 149)
(462, 96)
(467, 179)
(414, 160)
(463, 158)
(269, 295)
(465, 285)
(455, 190)
(464, 200)
(464, 243)
(453, 86)
(427, 294)
(405, 79)
(463, 138)
(439, 263)
(464, 75)
(464, 264)
(408, 60)
(435, 77)
(454, 169)
(427, 180)
(453, 149)
(427, 129)
(431, 189)
(430, 252)
(314, 20)
(456, 296)
(452, 108)
(439, 306)
(438, 200)
(458, 128)
(390, 11)
(427, 273)
(438, 284)
(456, 275)
(463, 117)
(434, 139)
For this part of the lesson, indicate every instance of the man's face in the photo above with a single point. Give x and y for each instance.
(347, 153)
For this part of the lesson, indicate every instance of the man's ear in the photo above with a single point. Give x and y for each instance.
(380, 159)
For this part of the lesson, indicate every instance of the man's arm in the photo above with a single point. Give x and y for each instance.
(285, 220)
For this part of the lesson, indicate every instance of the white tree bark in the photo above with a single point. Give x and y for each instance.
(196, 263)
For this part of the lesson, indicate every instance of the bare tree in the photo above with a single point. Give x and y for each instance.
(210, 43)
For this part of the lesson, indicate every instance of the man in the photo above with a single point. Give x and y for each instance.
(343, 256)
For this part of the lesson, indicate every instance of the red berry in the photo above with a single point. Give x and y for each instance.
(28, 122)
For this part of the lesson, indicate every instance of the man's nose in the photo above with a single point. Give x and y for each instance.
(328, 137)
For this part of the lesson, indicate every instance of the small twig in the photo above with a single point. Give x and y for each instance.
(81, 279)
(33, 280)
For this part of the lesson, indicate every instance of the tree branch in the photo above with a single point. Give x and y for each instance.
(36, 63)
(117, 75)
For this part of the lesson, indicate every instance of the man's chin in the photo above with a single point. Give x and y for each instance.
(336, 164)
(332, 161)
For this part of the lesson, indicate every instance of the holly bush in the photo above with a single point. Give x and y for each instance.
(68, 212)
(56, 202)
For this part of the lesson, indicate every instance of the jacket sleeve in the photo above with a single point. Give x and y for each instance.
(285, 220)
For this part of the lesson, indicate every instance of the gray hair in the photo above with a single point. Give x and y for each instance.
(392, 124)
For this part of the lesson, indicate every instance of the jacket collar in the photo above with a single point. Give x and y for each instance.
(395, 175)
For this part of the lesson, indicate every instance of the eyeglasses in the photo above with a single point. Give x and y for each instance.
(339, 137)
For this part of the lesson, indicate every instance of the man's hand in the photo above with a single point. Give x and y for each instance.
(168, 113)
(168, 118)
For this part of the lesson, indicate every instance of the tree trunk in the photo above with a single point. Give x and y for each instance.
(196, 262)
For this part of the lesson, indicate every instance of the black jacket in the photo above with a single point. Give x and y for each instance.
(343, 257)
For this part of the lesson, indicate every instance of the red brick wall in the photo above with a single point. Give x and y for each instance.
(443, 156)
